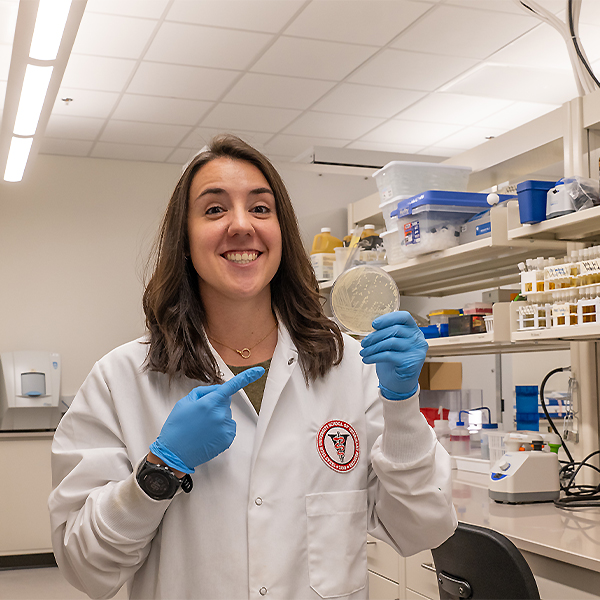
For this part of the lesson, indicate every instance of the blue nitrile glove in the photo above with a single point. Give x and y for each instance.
(200, 425)
(398, 349)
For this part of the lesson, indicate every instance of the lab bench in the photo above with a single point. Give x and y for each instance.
(562, 547)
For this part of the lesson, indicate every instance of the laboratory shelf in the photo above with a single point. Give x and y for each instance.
(478, 265)
(498, 341)
(581, 226)
(568, 333)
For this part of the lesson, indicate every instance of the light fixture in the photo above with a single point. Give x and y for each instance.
(33, 94)
(44, 35)
(49, 28)
(17, 158)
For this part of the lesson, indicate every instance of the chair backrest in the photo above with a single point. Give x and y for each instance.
(480, 563)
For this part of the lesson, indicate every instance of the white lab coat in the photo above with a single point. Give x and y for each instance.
(267, 517)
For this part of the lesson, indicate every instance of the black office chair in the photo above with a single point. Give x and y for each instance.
(480, 563)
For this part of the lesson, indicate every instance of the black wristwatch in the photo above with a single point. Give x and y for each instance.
(159, 482)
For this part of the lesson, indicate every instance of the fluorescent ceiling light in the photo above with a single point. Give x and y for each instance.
(33, 94)
(17, 158)
(49, 27)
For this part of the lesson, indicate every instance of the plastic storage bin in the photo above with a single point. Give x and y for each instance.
(532, 197)
(387, 208)
(431, 221)
(393, 249)
(479, 227)
(408, 178)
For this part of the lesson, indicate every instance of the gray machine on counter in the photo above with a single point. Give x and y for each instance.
(29, 390)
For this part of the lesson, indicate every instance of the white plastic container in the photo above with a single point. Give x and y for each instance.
(460, 440)
(393, 249)
(442, 432)
(387, 207)
(408, 178)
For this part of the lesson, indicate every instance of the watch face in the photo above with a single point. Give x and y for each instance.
(157, 485)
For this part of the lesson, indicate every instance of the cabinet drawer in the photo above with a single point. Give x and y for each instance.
(410, 595)
(419, 578)
(383, 559)
(381, 588)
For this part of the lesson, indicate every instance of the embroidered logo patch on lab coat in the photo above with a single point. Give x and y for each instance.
(338, 445)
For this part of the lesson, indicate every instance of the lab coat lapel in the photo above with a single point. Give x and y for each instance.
(283, 363)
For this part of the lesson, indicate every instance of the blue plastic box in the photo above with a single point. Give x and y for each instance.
(527, 408)
(532, 200)
(431, 221)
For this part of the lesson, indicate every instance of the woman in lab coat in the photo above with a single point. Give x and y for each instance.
(170, 476)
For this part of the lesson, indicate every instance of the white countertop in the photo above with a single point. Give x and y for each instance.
(571, 536)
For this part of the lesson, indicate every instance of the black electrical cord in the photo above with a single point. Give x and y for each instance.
(576, 496)
(576, 44)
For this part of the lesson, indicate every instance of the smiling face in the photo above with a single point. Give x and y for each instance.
(233, 230)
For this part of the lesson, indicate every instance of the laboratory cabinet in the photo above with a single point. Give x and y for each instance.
(27, 483)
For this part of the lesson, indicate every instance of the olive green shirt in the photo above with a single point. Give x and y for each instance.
(256, 389)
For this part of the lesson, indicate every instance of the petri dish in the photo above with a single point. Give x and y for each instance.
(362, 294)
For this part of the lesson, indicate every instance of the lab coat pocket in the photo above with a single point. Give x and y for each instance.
(337, 537)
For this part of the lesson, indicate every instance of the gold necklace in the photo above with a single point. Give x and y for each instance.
(244, 352)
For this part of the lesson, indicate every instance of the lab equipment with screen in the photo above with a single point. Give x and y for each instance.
(29, 390)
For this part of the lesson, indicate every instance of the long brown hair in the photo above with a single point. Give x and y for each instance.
(175, 316)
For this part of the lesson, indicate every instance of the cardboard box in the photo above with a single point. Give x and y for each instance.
(441, 376)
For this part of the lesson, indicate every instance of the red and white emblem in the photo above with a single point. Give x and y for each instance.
(338, 445)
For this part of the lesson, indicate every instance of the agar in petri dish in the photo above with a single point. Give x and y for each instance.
(362, 294)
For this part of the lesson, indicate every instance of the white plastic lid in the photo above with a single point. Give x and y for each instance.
(369, 226)
(325, 229)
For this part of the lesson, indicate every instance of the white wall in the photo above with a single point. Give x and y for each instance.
(74, 239)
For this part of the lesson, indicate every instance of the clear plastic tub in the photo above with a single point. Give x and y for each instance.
(387, 207)
(393, 249)
(431, 221)
(408, 178)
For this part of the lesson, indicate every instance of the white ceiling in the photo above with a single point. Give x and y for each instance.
(153, 80)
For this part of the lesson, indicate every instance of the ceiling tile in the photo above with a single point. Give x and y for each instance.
(378, 146)
(85, 103)
(249, 118)
(517, 114)
(111, 35)
(73, 128)
(130, 152)
(258, 15)
(153, 134)
(194, 83)
(276, 90)
(181, 156)
(201, 136)
(353, 21)
(312, 59)
(549, 86)
(590, 13)
(65, 147)
(154, 109)
(413, 134)
(469, 137)
(206, 46)
(541, 47)
(97, 73)
(589, 36)
(411, 70)
(472, 34)
(441, 151)
(294, 145)
(509, 6)
(8, 20)
(330, 125)
(5, 56)
(369, 101)
(455, 109)
(151, 9)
